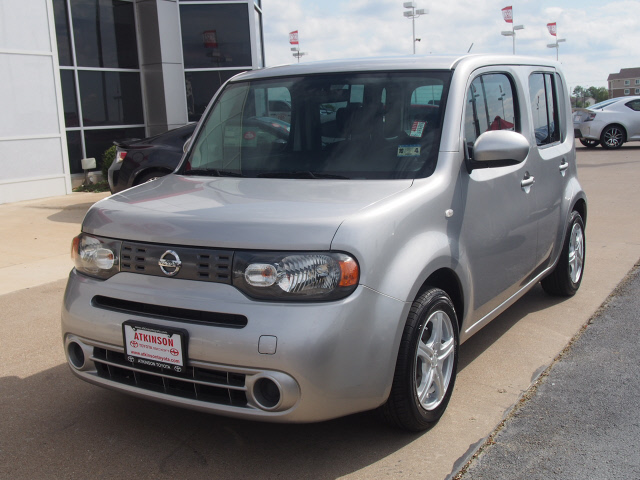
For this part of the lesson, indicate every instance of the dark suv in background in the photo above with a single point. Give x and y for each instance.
(138, 161)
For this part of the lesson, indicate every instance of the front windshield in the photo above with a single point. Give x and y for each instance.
(356, 126)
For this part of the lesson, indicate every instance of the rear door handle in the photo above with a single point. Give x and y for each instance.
(563, 166)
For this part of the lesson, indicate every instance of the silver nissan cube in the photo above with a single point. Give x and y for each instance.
(303, 266)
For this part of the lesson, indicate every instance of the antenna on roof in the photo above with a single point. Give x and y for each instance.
(470, 47)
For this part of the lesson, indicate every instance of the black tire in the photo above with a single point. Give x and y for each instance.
(567, 275)
(147, 177)
(589, 143)
(404, 408)
(613, 137)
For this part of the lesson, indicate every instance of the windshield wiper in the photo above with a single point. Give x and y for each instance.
(300, 174)
(212, 172)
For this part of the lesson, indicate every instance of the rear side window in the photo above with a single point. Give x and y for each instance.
(491, 105)
(634, 105)
(544, 108)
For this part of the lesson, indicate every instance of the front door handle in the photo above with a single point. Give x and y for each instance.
(527, 181)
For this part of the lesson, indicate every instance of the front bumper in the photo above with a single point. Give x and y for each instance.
(327, 359)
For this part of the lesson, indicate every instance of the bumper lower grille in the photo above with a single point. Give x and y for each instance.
(212, 386)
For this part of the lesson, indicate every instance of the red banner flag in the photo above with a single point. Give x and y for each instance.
(293, 37)
(552, 28)
(507, 14)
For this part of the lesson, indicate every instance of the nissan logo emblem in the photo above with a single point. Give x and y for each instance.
(170, 263)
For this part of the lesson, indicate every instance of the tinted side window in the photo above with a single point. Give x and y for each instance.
(634, 105)
(490, 106)
(544, 106)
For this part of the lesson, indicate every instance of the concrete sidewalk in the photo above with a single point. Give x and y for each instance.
(38, 234)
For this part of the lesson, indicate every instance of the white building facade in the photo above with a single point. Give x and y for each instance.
(78, 74)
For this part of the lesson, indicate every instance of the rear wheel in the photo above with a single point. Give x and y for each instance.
(567, 275)
(427, 364)
(612, 137)
(589, 143)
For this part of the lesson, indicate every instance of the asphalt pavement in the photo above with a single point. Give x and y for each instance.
(581, 419)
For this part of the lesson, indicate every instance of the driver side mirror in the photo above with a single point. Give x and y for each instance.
(185, 147)
(498, 148)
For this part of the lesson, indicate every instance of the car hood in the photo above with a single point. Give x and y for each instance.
(226, 212)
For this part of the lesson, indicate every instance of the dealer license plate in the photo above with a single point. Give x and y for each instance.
(155, 347)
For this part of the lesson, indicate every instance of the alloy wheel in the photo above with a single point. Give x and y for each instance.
(434, 362)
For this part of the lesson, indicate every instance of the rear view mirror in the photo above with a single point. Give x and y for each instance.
(499, 148)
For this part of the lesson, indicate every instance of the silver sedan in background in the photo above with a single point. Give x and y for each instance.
(610, 123)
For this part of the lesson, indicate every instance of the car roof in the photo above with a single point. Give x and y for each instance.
(613, 101)
(384, 64)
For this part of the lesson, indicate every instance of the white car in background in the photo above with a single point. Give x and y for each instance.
(610, 123)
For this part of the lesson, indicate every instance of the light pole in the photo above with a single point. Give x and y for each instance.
(553, 30)
(413, 14)
(293, 40)
(507, 14)
(556, 46)
(512, 33)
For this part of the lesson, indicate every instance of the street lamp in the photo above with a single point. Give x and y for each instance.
(413, 14)
(556, 45)
(512, 33)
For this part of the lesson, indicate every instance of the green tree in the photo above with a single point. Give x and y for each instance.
(598, 93)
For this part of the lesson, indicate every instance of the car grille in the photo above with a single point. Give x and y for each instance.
(203, 264)
(211, 386)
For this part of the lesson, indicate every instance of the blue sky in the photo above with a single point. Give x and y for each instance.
(602, 36)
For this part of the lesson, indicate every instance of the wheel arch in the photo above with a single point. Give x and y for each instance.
(147, 171)
(580, 206)
(616, 124)
(446, 279)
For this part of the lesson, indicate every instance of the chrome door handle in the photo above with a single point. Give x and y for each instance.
(564, 165)
(527, 182)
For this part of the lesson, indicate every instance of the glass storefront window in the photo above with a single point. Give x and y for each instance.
(71, 118)
(215, 35)
(201, 86)
(104, 33)
(97, 141)
(74, 146)
(110, 98)
(62, 32)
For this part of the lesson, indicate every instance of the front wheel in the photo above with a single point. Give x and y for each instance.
(566, 277)
(612, 137)
(427, 363)
(589, 143)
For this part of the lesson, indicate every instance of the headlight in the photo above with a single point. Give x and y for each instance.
(95, 256)
(297, 276)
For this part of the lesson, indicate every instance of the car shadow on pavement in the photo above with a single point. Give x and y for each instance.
(82, 431)
(68, 214)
